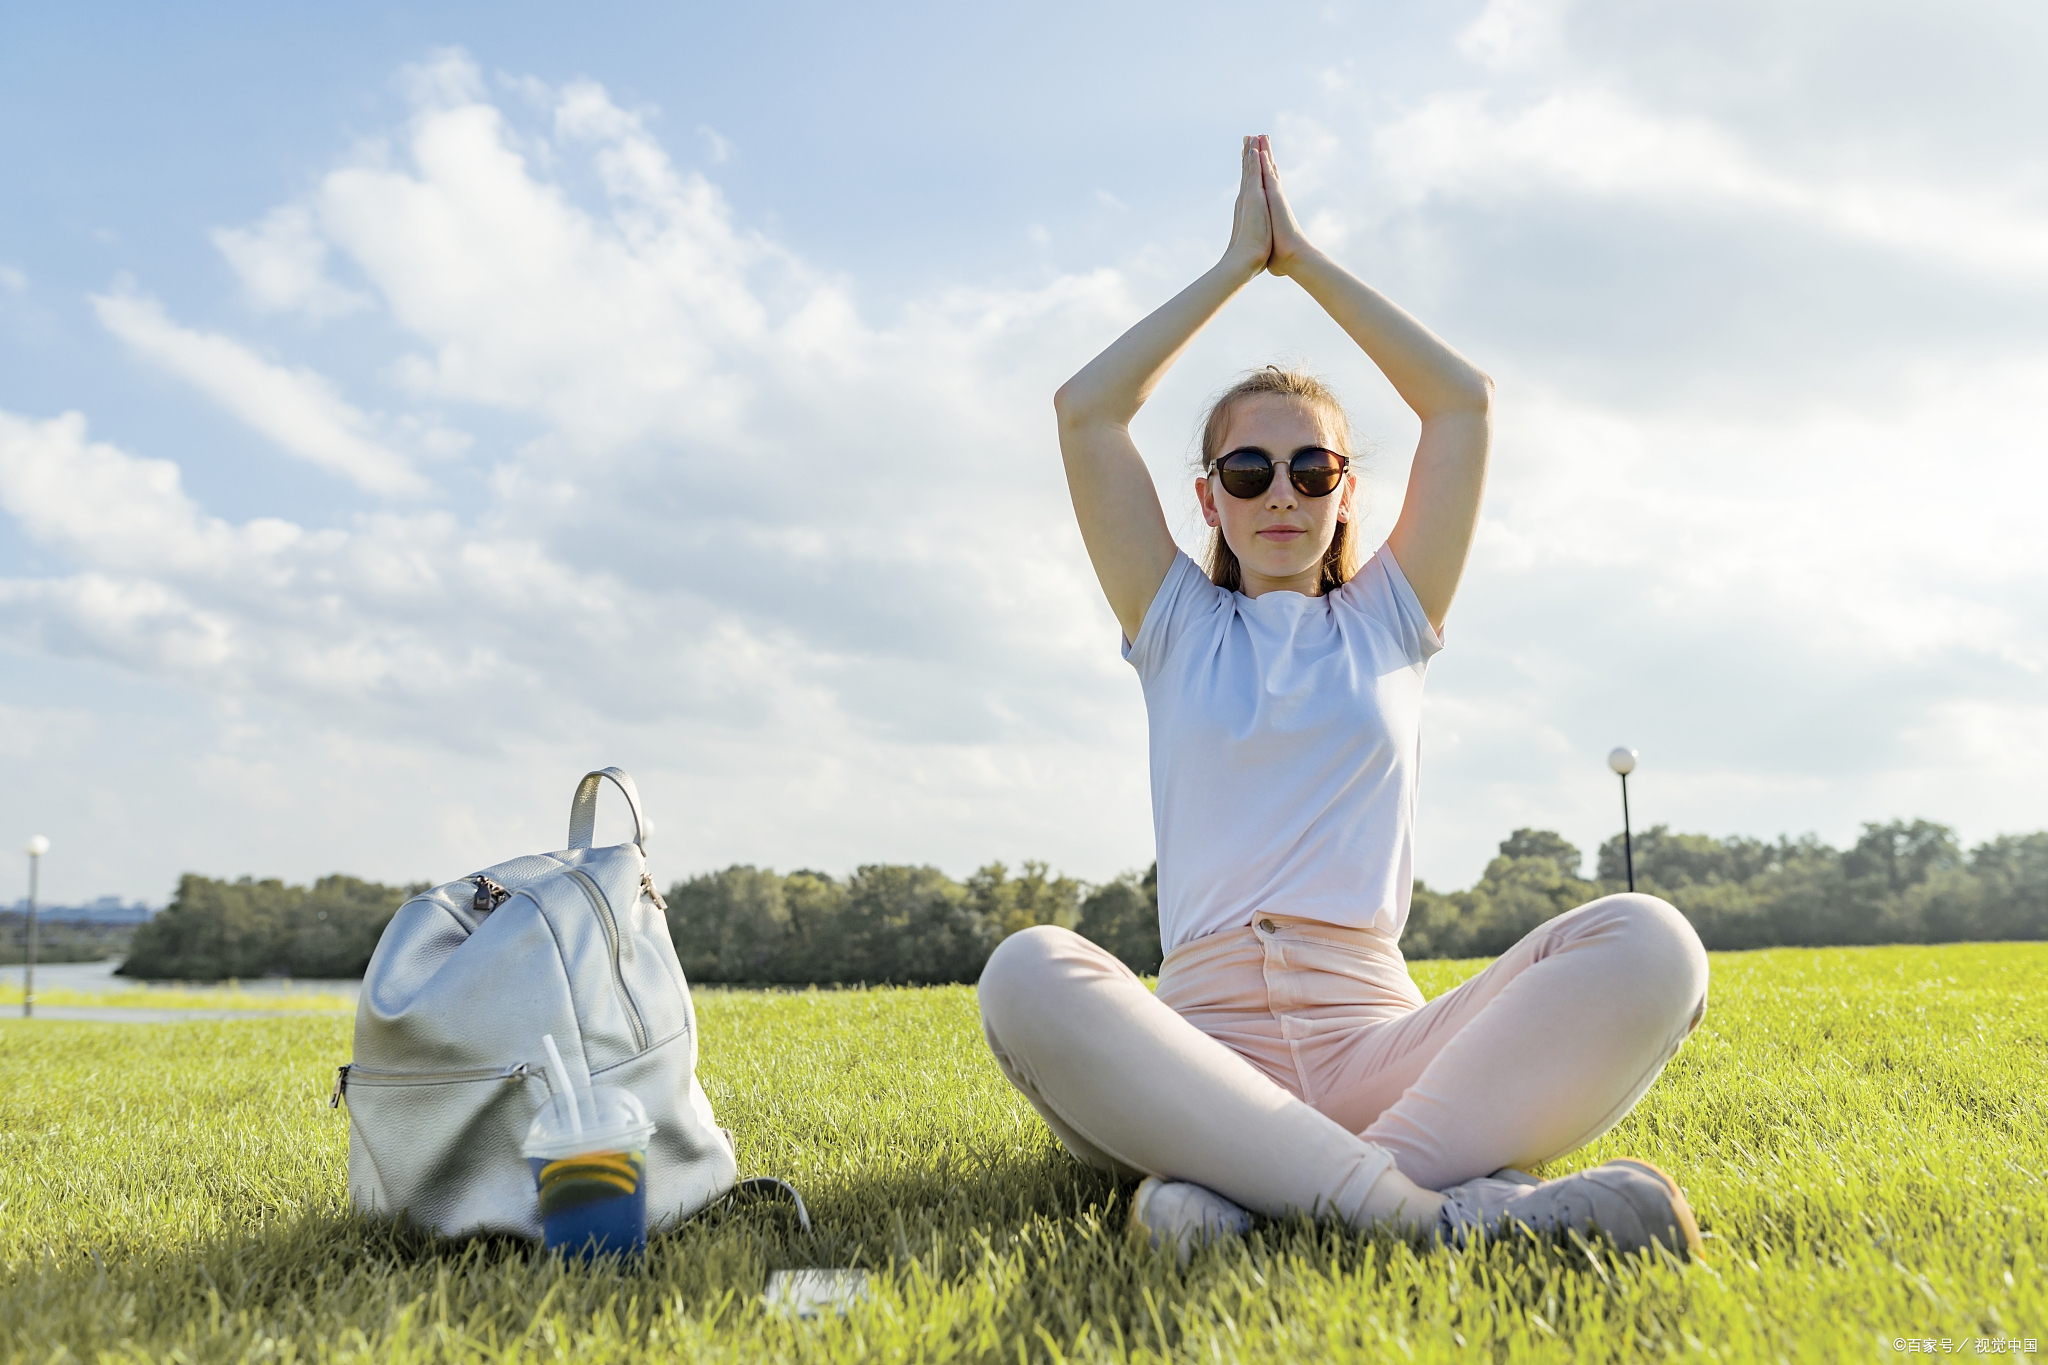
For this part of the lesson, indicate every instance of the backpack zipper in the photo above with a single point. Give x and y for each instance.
(365, 1076)
(489, 896)
(611, 933)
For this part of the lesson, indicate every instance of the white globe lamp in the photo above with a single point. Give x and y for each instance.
(1623, 760)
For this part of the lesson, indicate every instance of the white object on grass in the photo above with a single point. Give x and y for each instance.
(555, 1068)
(807, 1293)
(1622, 761)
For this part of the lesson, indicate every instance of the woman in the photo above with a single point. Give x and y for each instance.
(1287, 1061)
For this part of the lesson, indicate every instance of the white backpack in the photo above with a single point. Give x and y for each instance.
(449, 1069)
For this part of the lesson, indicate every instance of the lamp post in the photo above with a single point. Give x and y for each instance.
(37, 847)
(1623, 761)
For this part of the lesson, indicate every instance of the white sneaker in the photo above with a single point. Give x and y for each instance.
(1180, 1215)
(1631, 1203)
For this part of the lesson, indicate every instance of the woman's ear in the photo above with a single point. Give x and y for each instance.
(1206, 495)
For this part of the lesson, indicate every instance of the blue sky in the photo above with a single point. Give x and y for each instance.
(401, 411)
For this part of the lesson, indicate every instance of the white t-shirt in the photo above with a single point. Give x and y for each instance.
(1286, 741)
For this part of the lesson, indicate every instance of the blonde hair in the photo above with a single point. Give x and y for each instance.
(1341, 559)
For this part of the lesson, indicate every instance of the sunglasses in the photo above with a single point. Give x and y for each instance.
(1248, 471)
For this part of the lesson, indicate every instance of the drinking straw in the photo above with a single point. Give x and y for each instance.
(555, 1068)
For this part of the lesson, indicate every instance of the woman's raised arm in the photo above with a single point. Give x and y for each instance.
(1114, 500)
(1452, 397)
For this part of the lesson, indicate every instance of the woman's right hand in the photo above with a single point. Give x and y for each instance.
(1251, 226)
(1115, 503)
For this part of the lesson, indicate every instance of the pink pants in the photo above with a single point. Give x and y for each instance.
(1289, 1064)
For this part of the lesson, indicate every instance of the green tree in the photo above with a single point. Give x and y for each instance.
(909, 926)
(215, 929)
(333, 930)
(212, 929)
(1013, 903)
(2012, 872)
(1673, 860)
(1544, 843)
(1902, 853)
(1123, 916)
(730, 926)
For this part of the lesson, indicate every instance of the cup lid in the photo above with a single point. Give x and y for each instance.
(610, 1117)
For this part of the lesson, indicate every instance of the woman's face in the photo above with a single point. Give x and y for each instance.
(1279, 536)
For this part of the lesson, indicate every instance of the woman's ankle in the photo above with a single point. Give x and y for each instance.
(1396, 1201)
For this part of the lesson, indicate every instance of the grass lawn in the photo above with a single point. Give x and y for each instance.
(1863, 1133)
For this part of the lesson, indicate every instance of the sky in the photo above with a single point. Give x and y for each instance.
(403, 410)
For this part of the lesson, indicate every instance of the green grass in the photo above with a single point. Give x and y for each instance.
(1862, 1131)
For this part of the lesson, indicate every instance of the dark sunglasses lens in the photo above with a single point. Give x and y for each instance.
(1244, 474)
(1316, 474)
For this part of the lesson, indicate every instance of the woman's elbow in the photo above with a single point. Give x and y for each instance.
(1073, 401)
(1075, 406)
(1460, 396)
(1063, 401)
(1478, 395)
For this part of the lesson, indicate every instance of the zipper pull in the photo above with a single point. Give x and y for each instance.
(647, 885)
(489, 895)
(340, 1084)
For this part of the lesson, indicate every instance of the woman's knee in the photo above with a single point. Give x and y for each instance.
(1657, 947)
(1029, 969)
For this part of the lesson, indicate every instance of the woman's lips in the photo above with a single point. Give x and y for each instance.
(1282, 533)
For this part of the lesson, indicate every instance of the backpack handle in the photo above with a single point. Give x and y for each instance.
(583, 810)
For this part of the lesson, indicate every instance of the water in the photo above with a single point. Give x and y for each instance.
(102, 1015)
(99, 976)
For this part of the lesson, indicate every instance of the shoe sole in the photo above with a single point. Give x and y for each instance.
(1682, 1211)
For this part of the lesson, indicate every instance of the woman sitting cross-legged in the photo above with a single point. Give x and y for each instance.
(1287, 1061)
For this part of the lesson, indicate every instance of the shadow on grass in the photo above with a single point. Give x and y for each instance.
(1032, 1249)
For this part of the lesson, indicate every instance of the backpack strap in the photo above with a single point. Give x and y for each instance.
(583, 809)
(769, 1186)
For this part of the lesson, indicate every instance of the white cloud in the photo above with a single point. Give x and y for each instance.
(1598, 144)
(827, 566)
(356, 618)
(1507, 34)
(1802, 621)
(719, 146)
(282, 263)
(293, 407)
(809, 569)
(447, 79)
(30, 733)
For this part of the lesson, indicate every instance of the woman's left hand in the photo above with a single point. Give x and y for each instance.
(1453, 399)
(1288, 242)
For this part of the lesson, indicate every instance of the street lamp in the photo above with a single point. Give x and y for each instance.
(1623, 761)
(37, 847)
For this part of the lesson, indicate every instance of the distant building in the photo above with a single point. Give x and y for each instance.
(102, 910)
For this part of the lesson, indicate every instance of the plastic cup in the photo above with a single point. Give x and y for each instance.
(592, 1184)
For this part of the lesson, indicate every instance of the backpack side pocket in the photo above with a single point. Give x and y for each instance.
(442, 1147)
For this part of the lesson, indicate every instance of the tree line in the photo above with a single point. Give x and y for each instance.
(61, 940)
(214, 929)
(1901, 882)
